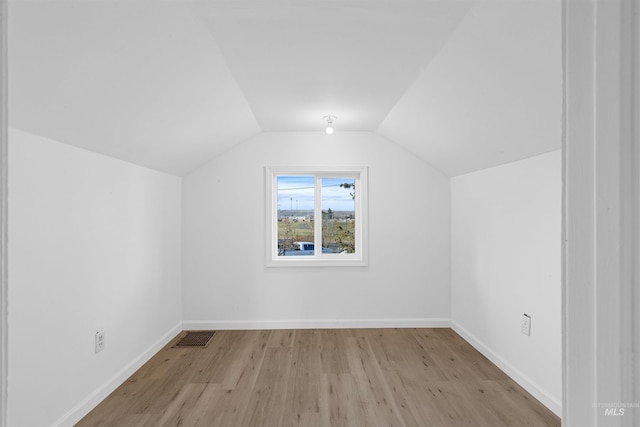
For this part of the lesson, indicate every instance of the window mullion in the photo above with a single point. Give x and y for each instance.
(317, 214)
(358, 217)
(274, 212)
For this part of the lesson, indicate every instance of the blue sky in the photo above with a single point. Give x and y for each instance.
(297, 192)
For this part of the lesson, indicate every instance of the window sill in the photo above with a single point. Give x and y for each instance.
(299, 262)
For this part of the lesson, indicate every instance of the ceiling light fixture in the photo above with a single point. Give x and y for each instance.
(329, 119)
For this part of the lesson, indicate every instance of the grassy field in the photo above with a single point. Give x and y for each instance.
(337, 233)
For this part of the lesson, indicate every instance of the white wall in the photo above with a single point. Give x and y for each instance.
(94, 243)
(226, 283)
(505, 258)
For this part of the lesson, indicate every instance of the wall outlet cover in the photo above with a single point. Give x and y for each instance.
(525, 324)
(99, 341)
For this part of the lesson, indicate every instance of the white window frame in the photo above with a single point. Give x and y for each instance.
(359, 258)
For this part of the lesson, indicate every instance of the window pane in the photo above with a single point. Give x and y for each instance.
(338, 215)
(295, 215)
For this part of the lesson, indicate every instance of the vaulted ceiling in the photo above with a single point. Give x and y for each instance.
(171, 84)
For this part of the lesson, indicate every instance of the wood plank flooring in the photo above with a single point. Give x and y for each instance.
(318, 378)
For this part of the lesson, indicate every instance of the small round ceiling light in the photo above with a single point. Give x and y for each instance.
(330, 120)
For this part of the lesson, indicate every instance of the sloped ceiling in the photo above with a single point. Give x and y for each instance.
(492, 95)
(171, 84)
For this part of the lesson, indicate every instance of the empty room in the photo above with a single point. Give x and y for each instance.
(358, 211)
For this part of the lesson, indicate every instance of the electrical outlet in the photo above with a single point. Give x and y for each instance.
(99, 341)
(525, 324)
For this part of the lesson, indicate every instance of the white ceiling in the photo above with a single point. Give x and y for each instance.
(171, 84)
(492, 95)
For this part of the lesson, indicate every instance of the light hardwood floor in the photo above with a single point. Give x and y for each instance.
(334, 377)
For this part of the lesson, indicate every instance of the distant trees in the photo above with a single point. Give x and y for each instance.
(339, 233)
(346, 230)
(286, 235)
(348, 186)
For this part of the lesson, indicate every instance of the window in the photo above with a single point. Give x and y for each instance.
(316, 216)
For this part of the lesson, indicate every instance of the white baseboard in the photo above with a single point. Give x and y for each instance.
(222, 325)
(554, 404)
(87, 404)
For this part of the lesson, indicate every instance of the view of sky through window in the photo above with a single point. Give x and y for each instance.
(297, 215)
(297, 193)
(316, 216)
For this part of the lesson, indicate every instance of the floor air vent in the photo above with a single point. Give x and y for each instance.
(195, 339)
